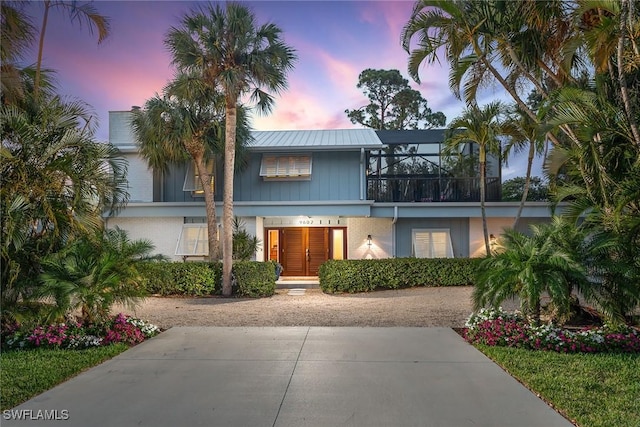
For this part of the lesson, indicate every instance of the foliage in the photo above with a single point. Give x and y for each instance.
(481, 127)
(244, 244)
(27, 373)
(495, 327)
(186, 123)
(581, 59)
(78, 335)
(525, 267)
(56, 182)
(182, 278)
(392, 103)
(92, 274)
(367, 275)
(513, 190)
(595, 390)
(255, 279)
(252, 278)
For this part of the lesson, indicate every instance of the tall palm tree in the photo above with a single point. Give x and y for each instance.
(84, 13)
(236, 55)
(524, 134)
(187, 123)
(483, 41)
(481, 126)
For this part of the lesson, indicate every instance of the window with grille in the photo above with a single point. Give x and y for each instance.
(431, 243)
(285, 167)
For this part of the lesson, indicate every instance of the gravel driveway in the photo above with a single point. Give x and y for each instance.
(446, 306)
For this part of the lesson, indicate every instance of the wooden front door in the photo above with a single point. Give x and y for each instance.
(303, 250)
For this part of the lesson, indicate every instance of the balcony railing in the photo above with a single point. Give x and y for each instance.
(425, 189)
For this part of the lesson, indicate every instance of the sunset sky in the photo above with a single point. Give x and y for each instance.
(334, 40)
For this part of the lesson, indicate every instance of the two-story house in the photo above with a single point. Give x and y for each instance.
(313, 195)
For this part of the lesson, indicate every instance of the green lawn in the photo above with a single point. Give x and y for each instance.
(593, 390)
(24, 374)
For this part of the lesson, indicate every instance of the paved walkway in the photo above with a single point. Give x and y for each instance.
(296, 376)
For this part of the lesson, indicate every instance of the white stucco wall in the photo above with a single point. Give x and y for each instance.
(163, 232)
(381, 230)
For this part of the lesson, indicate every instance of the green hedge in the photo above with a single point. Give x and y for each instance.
(393, 273)
(253, 279)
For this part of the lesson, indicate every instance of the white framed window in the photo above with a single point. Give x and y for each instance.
(431, 243)
(285, 167)
(192, 178)
(193, 240)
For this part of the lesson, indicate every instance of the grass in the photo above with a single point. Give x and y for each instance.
(592, 390)
(27, 373)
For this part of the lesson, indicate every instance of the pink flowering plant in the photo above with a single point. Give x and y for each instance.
(75, 335)
(495, 327)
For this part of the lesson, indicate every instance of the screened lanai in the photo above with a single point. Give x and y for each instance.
(413, 167)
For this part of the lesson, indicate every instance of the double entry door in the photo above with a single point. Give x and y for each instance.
(301, 250)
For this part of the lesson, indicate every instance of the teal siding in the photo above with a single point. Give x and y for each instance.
(173, 182)
(334, 176)
(459, 230)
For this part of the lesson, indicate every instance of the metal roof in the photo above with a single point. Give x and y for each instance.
(330, 139)
(414, 136)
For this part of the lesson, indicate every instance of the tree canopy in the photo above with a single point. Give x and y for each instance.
(393, 104)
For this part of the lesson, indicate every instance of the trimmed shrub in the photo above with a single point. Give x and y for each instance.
(255, 279)
(366, 275)
(182, 278)
(252, 278)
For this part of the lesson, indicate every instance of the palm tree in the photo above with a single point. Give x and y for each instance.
(82, 13)
(525, 267)
(17, 34)
(481, 38)
(525, 134)
(93, 273)
(232, 53)
(481, 126)
(610, 30)
(186, 123)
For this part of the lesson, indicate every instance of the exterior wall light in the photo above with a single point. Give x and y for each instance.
(369, 240)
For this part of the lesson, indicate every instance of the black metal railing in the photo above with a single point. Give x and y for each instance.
(421, 189)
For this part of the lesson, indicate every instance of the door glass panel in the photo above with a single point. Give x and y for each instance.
(337, 244)
(274, 255)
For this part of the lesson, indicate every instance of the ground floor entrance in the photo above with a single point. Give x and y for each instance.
(301, 250)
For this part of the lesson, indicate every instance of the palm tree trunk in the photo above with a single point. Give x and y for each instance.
(485, 230)
(227, 210)
(527, 184)
(45, 18)
(210, 209)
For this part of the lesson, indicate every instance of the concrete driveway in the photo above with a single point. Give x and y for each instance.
(294, 376)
